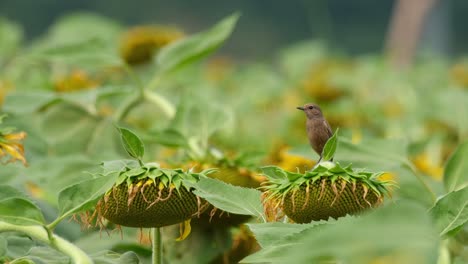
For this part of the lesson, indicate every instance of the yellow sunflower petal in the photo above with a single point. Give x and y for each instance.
(185, 230)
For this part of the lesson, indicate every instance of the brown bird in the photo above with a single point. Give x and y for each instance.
(318, 129)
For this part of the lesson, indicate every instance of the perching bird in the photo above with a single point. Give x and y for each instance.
(318, 129)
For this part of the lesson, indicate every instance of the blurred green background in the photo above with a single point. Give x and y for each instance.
(357, 26)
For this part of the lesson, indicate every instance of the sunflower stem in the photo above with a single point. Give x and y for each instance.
(46, 236)
(156, 238)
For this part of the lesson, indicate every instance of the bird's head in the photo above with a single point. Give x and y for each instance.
(311, 110)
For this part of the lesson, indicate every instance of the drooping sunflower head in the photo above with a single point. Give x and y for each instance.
(328, 190)
(139, 44)
(145, 195)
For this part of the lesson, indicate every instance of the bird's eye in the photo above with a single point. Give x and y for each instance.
(311, 107)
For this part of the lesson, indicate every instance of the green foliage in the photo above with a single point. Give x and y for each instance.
(357, 240)
(132, 143)
(230, 198)
(450, 212)
(269, 234)
(17, 208)
(330, 147)
(84, 195)
(456, 170)
(193, 48)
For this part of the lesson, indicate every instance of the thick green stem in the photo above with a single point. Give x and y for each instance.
(40, 233)
(157, 256)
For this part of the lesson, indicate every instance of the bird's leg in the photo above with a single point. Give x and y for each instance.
(318, 162)
(320, 159)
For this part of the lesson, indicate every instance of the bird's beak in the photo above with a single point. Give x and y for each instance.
(300, 108)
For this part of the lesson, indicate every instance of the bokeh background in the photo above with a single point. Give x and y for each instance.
(355, 27)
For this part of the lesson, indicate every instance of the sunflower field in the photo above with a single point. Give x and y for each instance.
(145, 145)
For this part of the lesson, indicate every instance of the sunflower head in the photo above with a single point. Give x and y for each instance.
(145, 195)
(139, 44)
(328, 190)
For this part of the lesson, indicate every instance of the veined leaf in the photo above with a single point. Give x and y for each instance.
(359, 239)
(17, 208)
(456, 170)
(27, 102)
(268, 234)
(451, 212)
(196, 46)
(82, 196)
(330, 147)
(230, 198)
(132, 143)
(168, 137)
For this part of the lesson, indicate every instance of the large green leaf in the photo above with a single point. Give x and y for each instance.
(168, 137)
(90, 53)
(230, 198)
(268, 234)
(451, 212)
(109, 257)
(17, 208)
(196, 46)
(456, 170)
(83, 196)
(17, 245)
(385, 232)
(27, 102)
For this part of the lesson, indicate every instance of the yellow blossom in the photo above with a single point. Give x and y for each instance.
(427, 166)
(77, 80)
(387, 176)
(140, 43)
(290, 162)
(459, 74)
(12, 147)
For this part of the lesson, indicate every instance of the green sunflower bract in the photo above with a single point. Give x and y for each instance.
(328, 190)
(146, 195)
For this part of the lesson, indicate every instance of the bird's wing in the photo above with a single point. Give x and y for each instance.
(329, 130)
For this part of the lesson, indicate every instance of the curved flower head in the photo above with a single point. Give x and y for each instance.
(140, 43)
